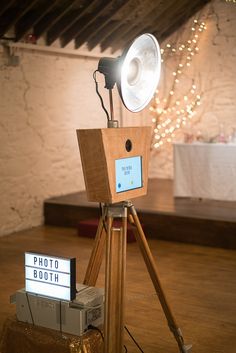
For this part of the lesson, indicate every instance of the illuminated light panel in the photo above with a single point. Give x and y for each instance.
(50, 276)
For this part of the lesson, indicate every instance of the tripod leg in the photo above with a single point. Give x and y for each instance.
(95, 260)
(151, 267)
(114, 287)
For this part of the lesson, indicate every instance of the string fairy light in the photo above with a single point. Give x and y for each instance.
(171, 114)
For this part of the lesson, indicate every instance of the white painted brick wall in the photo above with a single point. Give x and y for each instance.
(42, 103)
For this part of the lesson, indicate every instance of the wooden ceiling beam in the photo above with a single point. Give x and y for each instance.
(84, 23)
(17, 13)
(98, 24)
(46, 23)
(110, 28)
(114, 35)
(31, 19)
(120, 36)
(66, 22)
(163, 24)
(6, 6)
(179, 21)
(171, 12)
(103, 33)
(110, 23)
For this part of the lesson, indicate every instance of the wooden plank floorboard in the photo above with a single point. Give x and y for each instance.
(200, 283)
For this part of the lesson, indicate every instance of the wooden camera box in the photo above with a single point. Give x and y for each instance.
(115, 162)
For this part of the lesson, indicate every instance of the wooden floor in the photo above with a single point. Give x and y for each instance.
(195, 221)
(200, 283)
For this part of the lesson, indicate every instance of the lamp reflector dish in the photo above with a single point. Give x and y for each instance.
(140, 72)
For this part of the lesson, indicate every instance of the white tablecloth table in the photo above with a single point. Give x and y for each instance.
(204, 170)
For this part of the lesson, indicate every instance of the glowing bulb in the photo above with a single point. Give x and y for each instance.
(171, 93)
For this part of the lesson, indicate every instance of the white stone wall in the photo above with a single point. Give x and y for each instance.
(214, 69)
(43, 101)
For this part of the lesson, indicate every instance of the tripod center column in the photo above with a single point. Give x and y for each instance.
(115, 279)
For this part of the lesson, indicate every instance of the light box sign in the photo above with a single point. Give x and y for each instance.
(50, 276)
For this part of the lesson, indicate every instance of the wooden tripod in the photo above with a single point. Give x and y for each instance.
(115, 240)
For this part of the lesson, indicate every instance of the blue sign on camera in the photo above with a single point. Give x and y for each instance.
(128, 173)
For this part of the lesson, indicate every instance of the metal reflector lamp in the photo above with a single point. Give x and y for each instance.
(136, 72)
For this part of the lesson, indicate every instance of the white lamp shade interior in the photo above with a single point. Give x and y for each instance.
(140, 72)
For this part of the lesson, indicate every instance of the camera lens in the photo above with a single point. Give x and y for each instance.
(128, 145)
